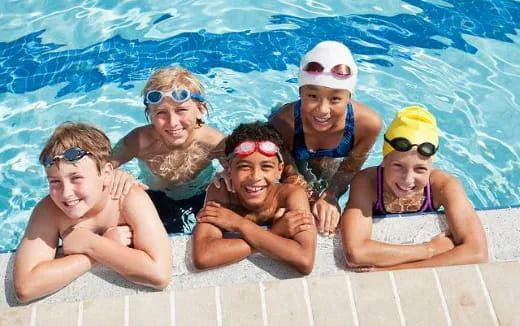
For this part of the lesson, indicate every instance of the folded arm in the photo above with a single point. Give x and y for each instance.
(149, 262)
(463, 224)
(356, 231)
(37, 272)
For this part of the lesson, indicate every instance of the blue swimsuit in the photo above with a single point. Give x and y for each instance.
(300, 151)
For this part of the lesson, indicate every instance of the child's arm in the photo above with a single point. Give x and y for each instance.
(210, 249)
(126, 148)
(149, 262)
(326, 209)
(298, 252)
(463, 224)
(37, 272)
(356, 230)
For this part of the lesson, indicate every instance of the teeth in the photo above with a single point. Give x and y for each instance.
(321, 119)
(174, 132)
(71, 202)
(405, 188)
(254, 189)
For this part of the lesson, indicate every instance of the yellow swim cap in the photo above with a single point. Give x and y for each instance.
(413, 123)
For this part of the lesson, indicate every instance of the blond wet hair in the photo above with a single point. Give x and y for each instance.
(81, 135)
(168, 78)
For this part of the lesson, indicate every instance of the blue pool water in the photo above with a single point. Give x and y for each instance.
(88, 60)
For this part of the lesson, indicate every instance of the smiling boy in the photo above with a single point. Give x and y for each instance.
(125, 234)
(255, 166)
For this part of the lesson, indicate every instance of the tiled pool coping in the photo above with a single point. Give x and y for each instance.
(260, 274)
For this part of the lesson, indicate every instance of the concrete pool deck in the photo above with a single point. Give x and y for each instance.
(261, 291)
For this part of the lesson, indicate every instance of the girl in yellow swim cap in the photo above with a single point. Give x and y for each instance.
(407, 182)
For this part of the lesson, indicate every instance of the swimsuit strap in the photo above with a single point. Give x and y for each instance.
(379, 208)
(428, 200)
(300, 150)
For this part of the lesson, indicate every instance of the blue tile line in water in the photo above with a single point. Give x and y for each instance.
(27, 64)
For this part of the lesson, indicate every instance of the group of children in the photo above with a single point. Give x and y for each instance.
(286, 174)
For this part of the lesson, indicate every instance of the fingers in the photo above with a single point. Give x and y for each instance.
(119, 184)
(216, 181)
(320, 219)
(279, 213)
(229, 185)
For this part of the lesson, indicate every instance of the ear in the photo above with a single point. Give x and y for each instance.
(280, 170)
(201, 110)
(107, 170)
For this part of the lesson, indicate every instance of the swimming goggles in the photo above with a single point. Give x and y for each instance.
(402, 144)
(177, 95)
(340, 71)
(70, 155)
(248, 147)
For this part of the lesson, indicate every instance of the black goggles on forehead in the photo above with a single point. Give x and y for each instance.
(70, 155)
(402, 144)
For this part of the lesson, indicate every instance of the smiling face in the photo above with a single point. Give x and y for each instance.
(175, 122)
(77, 188)
(406, 173)
(253, 177)
(323, 108)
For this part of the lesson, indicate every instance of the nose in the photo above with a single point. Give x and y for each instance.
(256, 173)
(323, 107)
(408, 176)
(66, 189)
(173, 119)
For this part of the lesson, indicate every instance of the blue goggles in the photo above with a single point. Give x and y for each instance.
(70, 155)
(177, 95)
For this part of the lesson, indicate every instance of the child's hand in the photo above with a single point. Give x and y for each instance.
(219, 216)
(441, 243)
(121, 234)
(288, 224)
(122, 182)
(326, 211)
(76, 240)
(222, 175)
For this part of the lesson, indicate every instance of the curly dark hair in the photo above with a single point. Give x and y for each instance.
(255, 131)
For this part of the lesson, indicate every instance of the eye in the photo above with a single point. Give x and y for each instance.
(336, 99)
(267, 166)
(242, 166)
(421, 170)
(312, 96)
(54, 182)
(160, 113)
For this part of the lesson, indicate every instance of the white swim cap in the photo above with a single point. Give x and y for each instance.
(329, 54)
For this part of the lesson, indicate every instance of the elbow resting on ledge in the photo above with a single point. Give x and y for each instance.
(24, 293)
(201, 261)
(305, 266)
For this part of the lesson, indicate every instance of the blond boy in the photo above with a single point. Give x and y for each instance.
(125, 235)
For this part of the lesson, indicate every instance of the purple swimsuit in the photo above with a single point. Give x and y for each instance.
(379, 207)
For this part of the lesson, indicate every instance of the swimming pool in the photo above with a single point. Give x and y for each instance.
(88, 61)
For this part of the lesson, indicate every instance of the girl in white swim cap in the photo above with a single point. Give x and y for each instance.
(328, 134)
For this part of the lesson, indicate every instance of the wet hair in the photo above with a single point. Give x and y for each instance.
(168, 78)
(256, 131)
(82, 135)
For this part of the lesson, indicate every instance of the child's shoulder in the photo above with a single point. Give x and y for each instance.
(211, 134)
(441, 179)
(48, 213)
(365, 177)
(366, 116)
(282, 114)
